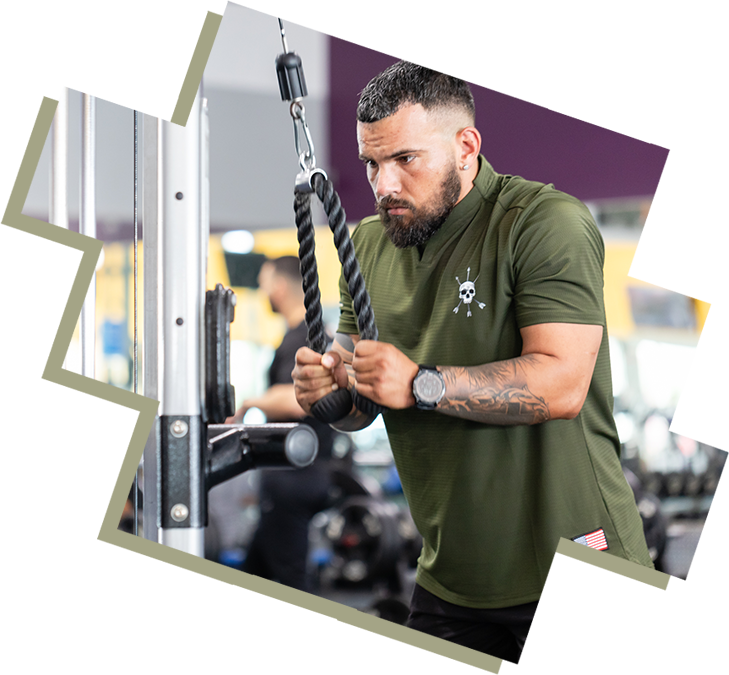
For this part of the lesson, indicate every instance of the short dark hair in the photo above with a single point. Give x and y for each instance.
(287, 266)
(406, 82)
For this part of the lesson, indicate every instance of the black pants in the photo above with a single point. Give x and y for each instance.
(498, 632)
(288, 501)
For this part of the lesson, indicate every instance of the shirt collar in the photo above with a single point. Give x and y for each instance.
(483, 188)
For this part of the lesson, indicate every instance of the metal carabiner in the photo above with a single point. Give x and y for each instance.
(307, 158)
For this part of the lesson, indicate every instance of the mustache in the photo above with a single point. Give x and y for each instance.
(390, 203)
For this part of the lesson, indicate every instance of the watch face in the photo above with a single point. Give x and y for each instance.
(429, 387)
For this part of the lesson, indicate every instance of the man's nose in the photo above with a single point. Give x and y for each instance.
(387, 182)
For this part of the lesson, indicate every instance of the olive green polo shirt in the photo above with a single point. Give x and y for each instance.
(492, 502)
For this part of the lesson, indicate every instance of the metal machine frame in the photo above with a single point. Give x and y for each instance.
(186, 330)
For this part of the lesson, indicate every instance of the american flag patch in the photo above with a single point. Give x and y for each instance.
(594, 539)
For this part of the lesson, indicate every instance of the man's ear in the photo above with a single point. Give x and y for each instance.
(469, 142)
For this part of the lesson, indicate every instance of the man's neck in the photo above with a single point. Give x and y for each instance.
(294, 316)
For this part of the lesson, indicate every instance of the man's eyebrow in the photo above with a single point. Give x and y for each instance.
(399, 153)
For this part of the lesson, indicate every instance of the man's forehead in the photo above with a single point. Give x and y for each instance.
(411, 120)
(408, 120)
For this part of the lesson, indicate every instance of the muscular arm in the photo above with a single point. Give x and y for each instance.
(548, 381)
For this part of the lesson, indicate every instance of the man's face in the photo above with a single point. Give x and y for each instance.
(267, 283)
(411, 165)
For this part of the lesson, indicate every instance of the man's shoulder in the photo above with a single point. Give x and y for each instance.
(518, 192)
(370, 225)
(532, 203)
(515, 192)
(368, 234)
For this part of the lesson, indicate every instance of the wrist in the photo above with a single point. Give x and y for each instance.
(409, 382)
(428, 387)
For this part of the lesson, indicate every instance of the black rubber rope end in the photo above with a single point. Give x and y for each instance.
(333, 407)
(366, 406)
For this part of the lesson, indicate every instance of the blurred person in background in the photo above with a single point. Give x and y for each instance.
(288, 499)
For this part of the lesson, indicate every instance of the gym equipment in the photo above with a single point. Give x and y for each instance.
(219, 314)
(673, 483)
(311, 179)
(367, 548)
(186, 336)
(655, 525)
(369, 535)
(364, 538)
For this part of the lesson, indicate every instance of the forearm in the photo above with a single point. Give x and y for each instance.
(506, 393)
(278, 403)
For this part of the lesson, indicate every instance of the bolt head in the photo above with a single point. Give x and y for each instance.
(179, 512)
(178, 428)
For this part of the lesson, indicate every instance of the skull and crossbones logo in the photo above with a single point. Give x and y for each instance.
(467, 293)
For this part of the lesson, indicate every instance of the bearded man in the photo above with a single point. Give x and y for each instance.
(492, 363)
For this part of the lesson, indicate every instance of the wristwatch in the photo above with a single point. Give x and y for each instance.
(428, 387)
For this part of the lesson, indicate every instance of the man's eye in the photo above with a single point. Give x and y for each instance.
(406, 159)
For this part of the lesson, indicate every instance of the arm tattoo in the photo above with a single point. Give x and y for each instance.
(356, 419)
(494, 393)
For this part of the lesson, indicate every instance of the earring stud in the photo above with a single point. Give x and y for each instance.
(465, 167)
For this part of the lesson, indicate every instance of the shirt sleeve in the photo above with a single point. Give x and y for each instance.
(558, 264)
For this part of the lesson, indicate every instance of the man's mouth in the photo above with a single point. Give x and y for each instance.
(394, 209)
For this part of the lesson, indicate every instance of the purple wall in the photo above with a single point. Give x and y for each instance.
(592, 139)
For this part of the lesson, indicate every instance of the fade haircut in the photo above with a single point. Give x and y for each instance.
(406, 82)
(288, 267)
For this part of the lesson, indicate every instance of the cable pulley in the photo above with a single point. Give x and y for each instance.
(311, 179)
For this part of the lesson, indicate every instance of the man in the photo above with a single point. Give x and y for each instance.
(288, 498)
(492, 361)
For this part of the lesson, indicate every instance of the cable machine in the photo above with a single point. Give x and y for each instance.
(186, 340)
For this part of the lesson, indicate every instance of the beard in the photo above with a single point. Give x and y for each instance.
(426, 220)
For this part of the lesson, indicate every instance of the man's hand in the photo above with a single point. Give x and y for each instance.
(384, 374)
(316, 375)
(238, 417)
(277, 403)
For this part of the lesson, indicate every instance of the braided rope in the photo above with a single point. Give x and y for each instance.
(345, 250)
(336, 405)
(316, 336)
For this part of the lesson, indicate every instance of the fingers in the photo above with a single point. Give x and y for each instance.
(369, 356)
(372, 358)
(316, 375)
(311, 365)
(237, 418)
(306, 356)
(383, 374)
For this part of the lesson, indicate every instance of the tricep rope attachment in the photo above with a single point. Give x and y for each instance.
(310, 180)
